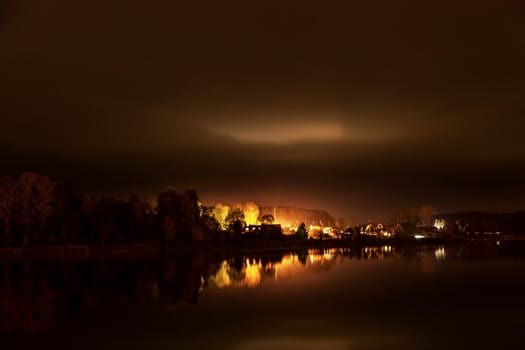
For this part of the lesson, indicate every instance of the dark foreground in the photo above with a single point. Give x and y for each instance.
(454, 296)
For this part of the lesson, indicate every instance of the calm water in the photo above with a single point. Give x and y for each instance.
(462, 297)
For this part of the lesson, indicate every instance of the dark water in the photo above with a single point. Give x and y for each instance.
(461, 297)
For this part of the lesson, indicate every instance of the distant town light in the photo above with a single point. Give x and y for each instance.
(439, 224)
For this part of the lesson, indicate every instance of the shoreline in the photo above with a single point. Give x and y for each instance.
(145, 250)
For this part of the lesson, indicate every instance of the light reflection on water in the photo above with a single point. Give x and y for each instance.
(254, 271)
(339, 298)
(291, 265)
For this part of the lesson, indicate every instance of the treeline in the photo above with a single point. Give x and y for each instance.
(34, 210)
(472, 222)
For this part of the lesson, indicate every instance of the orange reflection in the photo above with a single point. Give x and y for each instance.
(253, 271)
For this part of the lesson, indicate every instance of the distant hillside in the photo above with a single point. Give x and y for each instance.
(295, 216)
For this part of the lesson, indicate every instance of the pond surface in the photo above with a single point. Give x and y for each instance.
(435, 297)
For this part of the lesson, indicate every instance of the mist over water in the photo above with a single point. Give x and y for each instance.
(386, 297)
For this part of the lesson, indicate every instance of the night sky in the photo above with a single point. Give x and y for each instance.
(356, 107)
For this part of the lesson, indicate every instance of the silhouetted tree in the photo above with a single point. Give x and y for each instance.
(302, 233)
(182, 210)
(208, 222)
(107, 223)
(27, 203)
(235, 222)
(141, 219)
(267, 219)
(235, 215)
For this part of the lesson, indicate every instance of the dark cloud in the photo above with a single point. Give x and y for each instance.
(353, 106)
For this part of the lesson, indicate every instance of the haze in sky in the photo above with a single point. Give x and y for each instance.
(356, 107)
